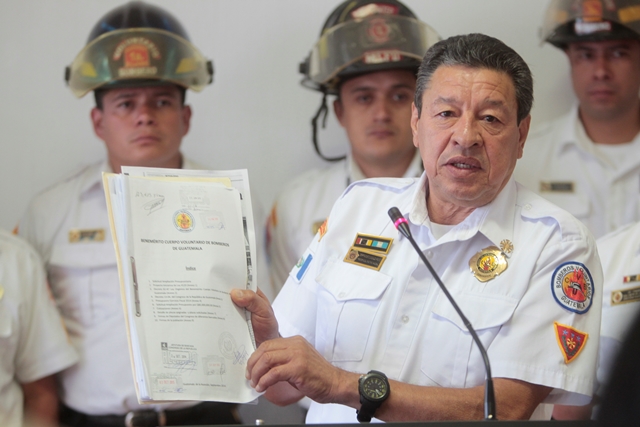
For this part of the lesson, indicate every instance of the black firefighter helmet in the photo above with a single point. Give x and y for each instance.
(359, 37)
(134, 45)
(569, 21)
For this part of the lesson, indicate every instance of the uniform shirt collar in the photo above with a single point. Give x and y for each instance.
(567, 133)
(573, 134)
(494, 220)
(414, 170)
(93, 179)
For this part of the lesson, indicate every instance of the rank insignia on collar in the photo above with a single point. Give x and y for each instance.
(322, 230)
(488, 263)
(572, 286)
(570, 340)
(315, 227)
(624, 296)
(371, 243)
(89, 235)
(1, 292)
(556, 187)
(506, 247)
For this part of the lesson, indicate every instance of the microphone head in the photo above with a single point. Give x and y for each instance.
(395, 215)
(399, 221)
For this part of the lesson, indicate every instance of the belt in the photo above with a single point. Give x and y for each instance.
(206, 412)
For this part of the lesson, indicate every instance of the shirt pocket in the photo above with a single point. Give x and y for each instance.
(84, 282)
(346, 309)
(451, 358)
(576, 204)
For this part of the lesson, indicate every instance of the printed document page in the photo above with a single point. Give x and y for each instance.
(183, 243)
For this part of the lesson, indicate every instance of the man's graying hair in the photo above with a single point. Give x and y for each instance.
(478, 51)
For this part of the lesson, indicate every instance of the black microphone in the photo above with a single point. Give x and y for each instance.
(400, 222)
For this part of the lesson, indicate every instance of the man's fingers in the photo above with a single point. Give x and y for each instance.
(269, 354)
(250, 300)
(265, 325)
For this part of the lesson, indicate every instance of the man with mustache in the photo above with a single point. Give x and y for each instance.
(588, 161)
(367, 57)
(139, 63)
(363, 328)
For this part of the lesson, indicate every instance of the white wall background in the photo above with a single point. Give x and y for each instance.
(254, 116)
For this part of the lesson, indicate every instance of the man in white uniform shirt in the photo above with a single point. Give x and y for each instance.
(139, 62)
(362, 309)
(588, 161)
(367, 56)
(32, 338)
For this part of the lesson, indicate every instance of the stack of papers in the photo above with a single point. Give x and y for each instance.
(184, 239)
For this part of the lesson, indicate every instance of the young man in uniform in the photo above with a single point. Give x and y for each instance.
(139, 62)
(367, 56)
(588, 161)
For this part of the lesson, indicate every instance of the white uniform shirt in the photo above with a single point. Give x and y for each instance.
(303, 206)
(397, 320)
(620, 255)
(84, 280)
(562, 164)
(33, 341)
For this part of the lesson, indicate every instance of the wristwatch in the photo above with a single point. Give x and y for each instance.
(374, 389)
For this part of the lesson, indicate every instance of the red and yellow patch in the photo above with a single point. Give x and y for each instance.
(273, 217)
(592, 10)
(322, 230)
(570, 340)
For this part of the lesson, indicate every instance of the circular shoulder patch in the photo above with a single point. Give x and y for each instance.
(572, 286)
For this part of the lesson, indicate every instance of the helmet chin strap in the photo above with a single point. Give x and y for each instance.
(322, 111)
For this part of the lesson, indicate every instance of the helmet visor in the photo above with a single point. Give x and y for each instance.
(132, 54)
(374, 40)
(589, 19)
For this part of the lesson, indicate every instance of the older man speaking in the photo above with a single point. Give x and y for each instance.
(362, 326)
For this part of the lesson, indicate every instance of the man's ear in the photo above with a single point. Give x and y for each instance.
(338, 108)
(523, 130)
(414, 123)
(186, 118)
(96, 120)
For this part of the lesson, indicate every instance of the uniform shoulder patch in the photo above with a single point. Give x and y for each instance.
(572, 286)
(570, 340)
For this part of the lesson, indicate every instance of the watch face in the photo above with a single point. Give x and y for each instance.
(374, 388)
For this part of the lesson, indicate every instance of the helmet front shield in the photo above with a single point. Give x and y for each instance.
(374, 40)
(138, 54)
(567, 21)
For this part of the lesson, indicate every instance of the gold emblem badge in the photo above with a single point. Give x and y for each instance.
(490, 262)
(624, 296)
(1, 291)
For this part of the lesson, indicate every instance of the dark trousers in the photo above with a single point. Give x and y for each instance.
(204, 413)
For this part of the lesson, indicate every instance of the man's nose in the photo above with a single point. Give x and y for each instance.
(466, 131)
(382, 110)
(145, 114)
(602, 67)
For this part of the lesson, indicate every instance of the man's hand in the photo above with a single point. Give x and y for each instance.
(265, 325)
(295, 361)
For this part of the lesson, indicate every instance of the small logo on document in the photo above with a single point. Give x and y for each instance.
(183, 220)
